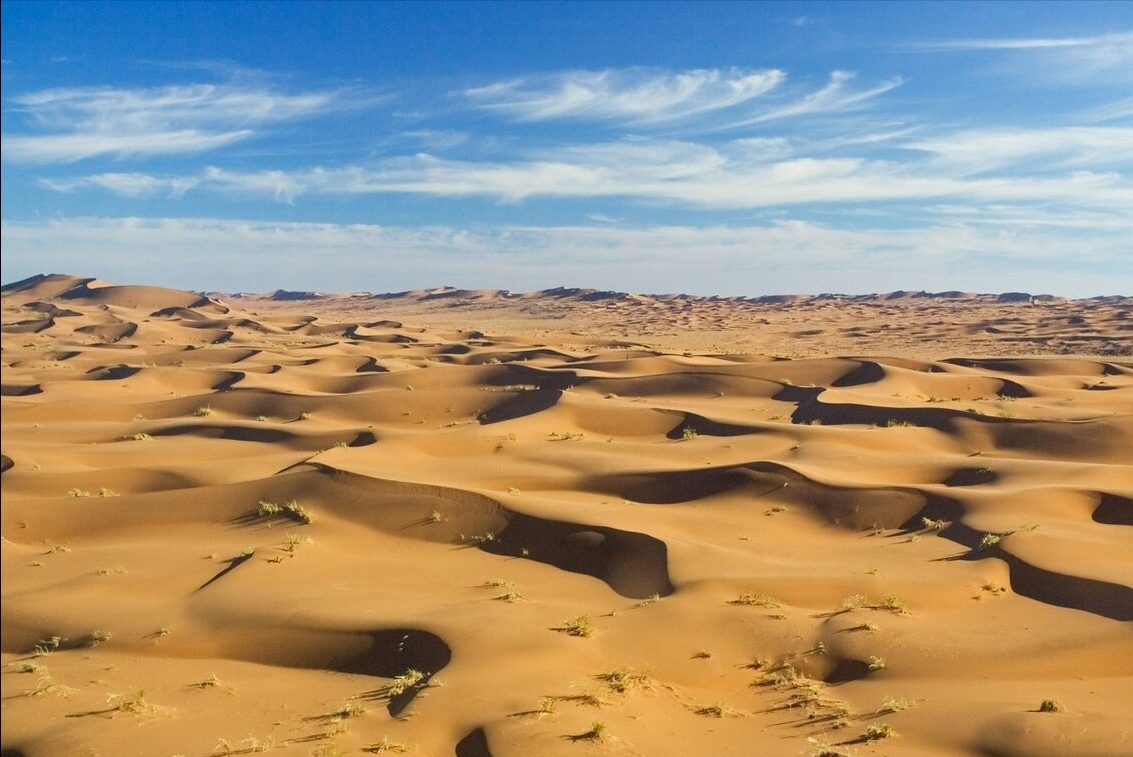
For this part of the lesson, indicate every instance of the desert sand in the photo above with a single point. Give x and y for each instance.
(565, 523)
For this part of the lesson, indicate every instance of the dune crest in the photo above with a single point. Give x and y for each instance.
(482, 523)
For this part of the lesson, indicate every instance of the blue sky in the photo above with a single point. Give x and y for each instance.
(709, 148)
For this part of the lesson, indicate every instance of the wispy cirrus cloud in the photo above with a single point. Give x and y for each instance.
(1068, 166)
(1118, 110)
(642, 97)
(126, 184)
(629, 95)
(68, 148)
(71, 124)
(837, 96)
(987, 150)
(1073, 57)
(1121, 42)
(280, 186)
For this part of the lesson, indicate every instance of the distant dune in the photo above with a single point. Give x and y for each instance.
(923, 324)
(569, 522)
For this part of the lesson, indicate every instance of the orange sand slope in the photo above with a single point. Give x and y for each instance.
(232, 527)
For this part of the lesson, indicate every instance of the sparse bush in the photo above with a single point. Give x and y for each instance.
(579, 626)
(267, 509)
(292, 510)
(293, 541)
(386, 745)
(297, 512)
(597, 732)
(622, 680)
(405, 682)
(757, 600)
(47, 646)
(895, 605)
(1051, 705)
(715, 710)
(877, 731)
(132, 702)
(94, 638)
(351, 708)
(896, 705)
(50, 684)
(991, 540)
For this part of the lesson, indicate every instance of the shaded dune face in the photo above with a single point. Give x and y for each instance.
(1114, 510)
(386, 653)
(309, 524)
(633, 565)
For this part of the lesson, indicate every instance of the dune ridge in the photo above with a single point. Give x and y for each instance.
(486, 524)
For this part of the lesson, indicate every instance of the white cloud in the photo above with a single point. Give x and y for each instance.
(785, 256)
(1003, 216)
(630, 95)
(1072, 57)
(836, 97)
(76, 123)
(1121, 109)
(1073, 166)
(1120, 41)
(125, 184)
(984, 150)
(65, 148)
(642, 97)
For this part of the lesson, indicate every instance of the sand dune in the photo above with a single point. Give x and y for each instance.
(570, 522)
(921, 324)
